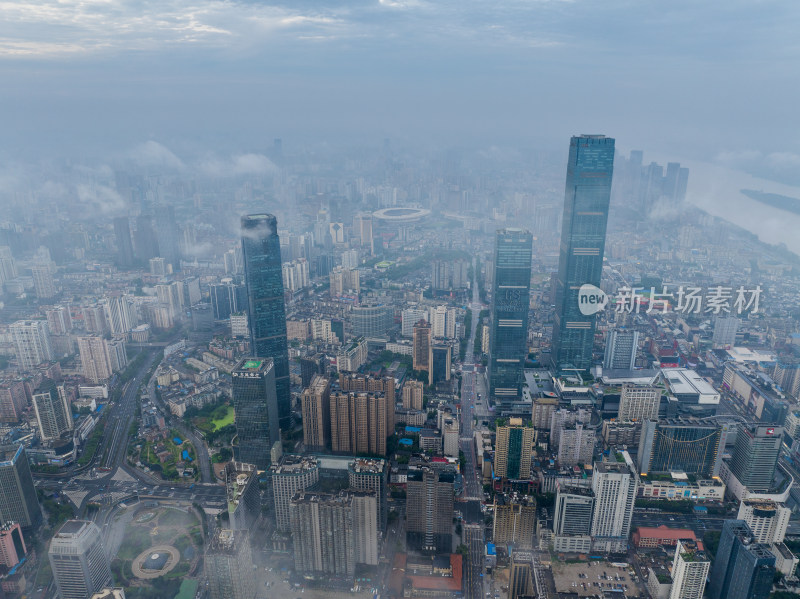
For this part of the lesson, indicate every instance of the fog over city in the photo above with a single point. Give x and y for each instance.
(378, 299)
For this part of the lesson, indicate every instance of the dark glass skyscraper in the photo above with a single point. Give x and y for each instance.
(509, 313)
(583, 238)
(261, 252)
(755, 455)
(743, 568)
(256, 409)
(122, 231)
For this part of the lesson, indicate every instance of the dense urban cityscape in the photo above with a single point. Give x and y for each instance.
(372, 375)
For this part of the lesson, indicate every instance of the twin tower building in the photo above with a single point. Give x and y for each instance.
(577, 295)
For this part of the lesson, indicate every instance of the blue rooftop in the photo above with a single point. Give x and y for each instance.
(490, 549)
(177, 440)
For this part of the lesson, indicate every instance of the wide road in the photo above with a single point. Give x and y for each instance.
(473, 490)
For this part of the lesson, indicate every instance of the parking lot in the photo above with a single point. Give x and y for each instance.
(589, 578)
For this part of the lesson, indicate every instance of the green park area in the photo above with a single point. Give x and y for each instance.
(150, 528)
(213, 418)
(165, 456)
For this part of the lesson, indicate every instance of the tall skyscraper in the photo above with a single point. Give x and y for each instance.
(122, 231)
(440, 363)
(690, 567)
(100, 358)
(614, 485)
(145, 241)
(429, 511)
(168, 235)
(256, 410)
(78, 560)
(743, 568)
(755, 455)
(43, 283)
(508, 340)
(572, 519)
(316, 407)
(583, 238)
(294, 473)
(621, 349)
(261, 251)
(13, 400)
(421, 346)
(688, 445)
(227, 299)
(514, 520)
(768, 520)
(18, 501)
(413, 394)
(513, 450)
(229, 565)
(53, 411)
(521, 576)
(32, 342)
(371, 474)
(120, 313)
(638, 403)
(59, 320)
(358, 422)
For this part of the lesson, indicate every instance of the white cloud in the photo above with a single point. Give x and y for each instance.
(152, 153)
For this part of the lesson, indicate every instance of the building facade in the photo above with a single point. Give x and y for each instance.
(78, 560)
(508, 347)
(261, 253)
(583, 237)
(256, 410)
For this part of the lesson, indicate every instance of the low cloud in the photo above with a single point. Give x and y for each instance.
(152, 153)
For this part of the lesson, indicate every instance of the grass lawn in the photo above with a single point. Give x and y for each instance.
(218, 423)
(188, 589)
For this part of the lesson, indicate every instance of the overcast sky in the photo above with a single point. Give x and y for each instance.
(708, 80)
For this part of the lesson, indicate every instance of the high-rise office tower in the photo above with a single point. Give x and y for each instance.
(743, 568)
(439, 363)
(168, 235)
(292, 474)
(688, 445)
(768, 520)
(43, 283)
(261, 251)
(8, 268)
(514, 520)
(122, 230)
(228, 565)
(323, 534)
(614, 485)
(316, 407)
(145, 241)
(583, 238)
(542, 412)
(32, 342)
(572, 519)
(513, 450)
(227, 299)
(621, 350)
(690, 567)
(521, 576)
(508, 340)
(18, 501)
(429, 510)
(371, 320)
(638, 403)
(78, 560)
(421, 346)
(371, 474)
(256, 410)
(100, 357)
(755, 455)
(12, 544)
(725, 329)
(53, 411)
(412, 394)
